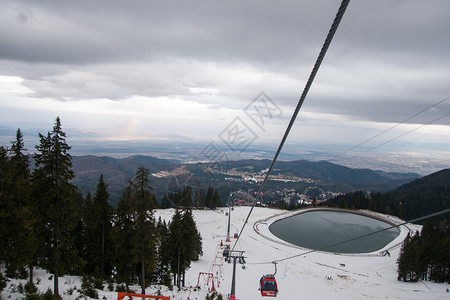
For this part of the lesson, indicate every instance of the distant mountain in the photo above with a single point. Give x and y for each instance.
(168, 175)
(116, 172)
(331, 174)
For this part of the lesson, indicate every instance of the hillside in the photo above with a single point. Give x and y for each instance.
(115, 171)
(411, 200)
(424, 195)
(168, 175)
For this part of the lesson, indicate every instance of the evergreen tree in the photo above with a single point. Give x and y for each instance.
(166, 202)
(54, 195)
(136, 236)
(199, 198)
(217, 202)
(176, 247)
(186, 200)
(161, 274)
(409, 265)
(185, 244)
(209, 200)
(402, 261)
(123, 229)
(145, 235)
(4, 204)
(22, 244)
(98, 220)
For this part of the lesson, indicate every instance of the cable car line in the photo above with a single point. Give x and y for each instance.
(314, 71)
(392, 127)
(355, 238)
(401, 135)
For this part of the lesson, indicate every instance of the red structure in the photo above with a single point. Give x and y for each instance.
(210, 278)
(121, 296)
(268, 286)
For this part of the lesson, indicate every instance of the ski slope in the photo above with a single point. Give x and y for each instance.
(312, 276)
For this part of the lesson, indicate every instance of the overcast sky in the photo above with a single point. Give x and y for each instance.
(174, 70)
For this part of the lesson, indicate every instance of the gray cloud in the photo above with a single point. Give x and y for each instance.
(389, 59)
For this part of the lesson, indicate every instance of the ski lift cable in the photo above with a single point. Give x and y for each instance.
(314, 71)
(392, 127)
(409, 142)
(355, 238)
(401, 135)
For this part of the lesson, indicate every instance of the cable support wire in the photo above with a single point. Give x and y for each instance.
(412, 141)
(316, 67)
(355, 238)
(392, 127)
(401, 135)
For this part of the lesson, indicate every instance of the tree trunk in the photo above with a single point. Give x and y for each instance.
(184, 272)
(55, 272)
(178, 273)
(31, 272)
(103, 251)
(142, 268)
(143, 277)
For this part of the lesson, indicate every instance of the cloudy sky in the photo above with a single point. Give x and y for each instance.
(191, 70)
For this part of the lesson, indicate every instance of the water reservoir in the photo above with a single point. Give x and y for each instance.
(319, 229)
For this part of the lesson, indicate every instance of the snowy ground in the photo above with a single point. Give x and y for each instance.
(312, 276)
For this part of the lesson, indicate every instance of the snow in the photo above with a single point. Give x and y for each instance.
(312, 276)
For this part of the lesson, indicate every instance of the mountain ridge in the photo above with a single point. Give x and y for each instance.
(164, 173)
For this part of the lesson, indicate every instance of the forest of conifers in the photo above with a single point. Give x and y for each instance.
(47, 223)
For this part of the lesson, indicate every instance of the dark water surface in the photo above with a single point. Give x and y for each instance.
(322, 228)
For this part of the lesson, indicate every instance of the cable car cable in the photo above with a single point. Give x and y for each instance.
(316, 67)
(401, 135)
(392, 127)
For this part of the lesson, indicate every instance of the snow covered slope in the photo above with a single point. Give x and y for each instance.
(312, 276)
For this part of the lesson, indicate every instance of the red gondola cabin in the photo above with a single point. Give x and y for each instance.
(268, 286)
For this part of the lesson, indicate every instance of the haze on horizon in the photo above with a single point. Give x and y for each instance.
(143, 73)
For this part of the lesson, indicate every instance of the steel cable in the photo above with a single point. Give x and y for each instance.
(314, 71)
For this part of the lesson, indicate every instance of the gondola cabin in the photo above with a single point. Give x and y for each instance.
(236, 235)
(226, 252)
(268, 286)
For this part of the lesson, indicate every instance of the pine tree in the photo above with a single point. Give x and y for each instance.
(217, 202)
(123, 229)
(199, 198)
(161, 273)
(209, 201)
(192, 237)
(98, 220)
(55, 196)
(166, 202)
(4, 203)
(176, 246)
(402, 261)
(22, 244)
(187, 197)
(145, 237)
(409, 264)
(136, 236)
(185, 244)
